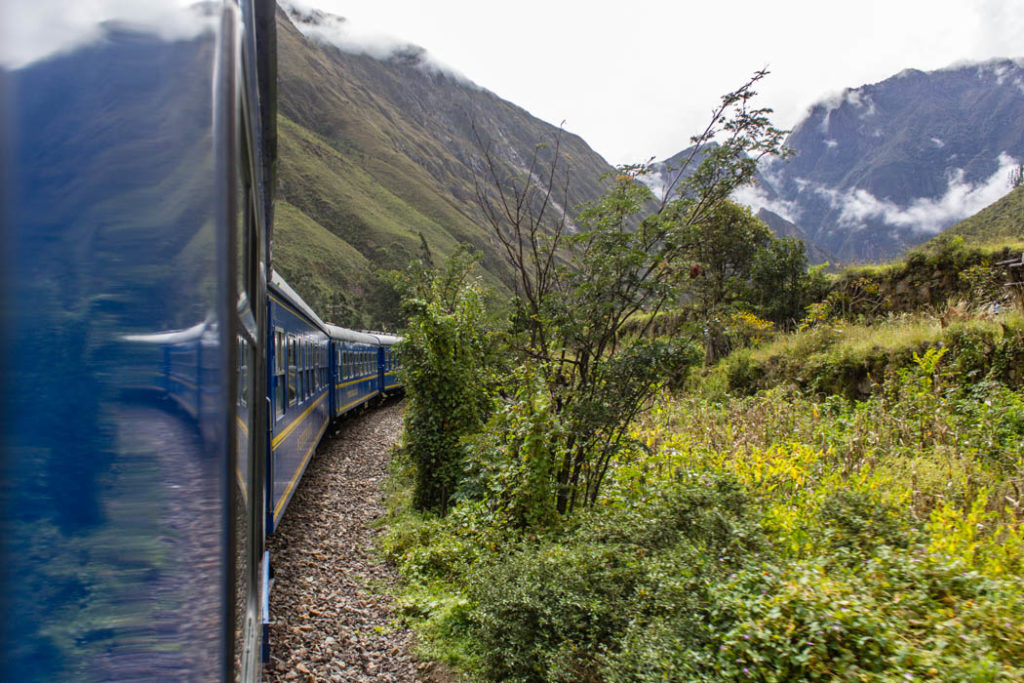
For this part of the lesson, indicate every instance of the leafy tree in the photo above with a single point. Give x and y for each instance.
(726, 246)
(780, 283)
(445, 373)
(576, 285)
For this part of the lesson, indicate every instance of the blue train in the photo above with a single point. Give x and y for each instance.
(162, 388)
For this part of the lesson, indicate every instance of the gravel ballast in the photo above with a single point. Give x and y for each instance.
(330, 616)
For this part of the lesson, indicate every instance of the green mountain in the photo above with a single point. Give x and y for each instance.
(380, 155)
(994, 225)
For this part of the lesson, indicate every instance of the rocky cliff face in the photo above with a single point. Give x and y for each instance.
(889, 165)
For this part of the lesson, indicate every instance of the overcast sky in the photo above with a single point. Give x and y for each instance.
(637, 79)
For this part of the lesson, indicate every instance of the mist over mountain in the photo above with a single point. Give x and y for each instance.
(889, 165)
(382, 150)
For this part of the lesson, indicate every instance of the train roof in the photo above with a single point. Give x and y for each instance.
(345, 334)
(295, 300)
(387, 339)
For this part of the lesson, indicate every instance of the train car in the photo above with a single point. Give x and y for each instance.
(136, 187)
(299, 392)
(163, 390)
(355, 376)
(390, 377)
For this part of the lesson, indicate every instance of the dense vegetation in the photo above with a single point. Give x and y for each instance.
(636, 471)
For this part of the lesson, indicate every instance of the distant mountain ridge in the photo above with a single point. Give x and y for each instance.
(888, 165)
(381, 154)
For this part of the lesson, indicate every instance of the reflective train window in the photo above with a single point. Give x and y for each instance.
(279, 373)
(292, 387)
(243, 371)
(311, 379)
(303, 370)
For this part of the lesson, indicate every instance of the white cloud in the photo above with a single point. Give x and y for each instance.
(757, 198)
(355, 38)
(38, 29)
(938, 143)
(924, 214)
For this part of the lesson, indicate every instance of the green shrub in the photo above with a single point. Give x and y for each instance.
(854, 520)
(445, 371)
(556, 610)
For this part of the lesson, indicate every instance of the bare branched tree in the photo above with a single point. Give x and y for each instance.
(574, 290)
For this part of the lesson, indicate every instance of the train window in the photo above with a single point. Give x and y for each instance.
(311, 384)
(243, 371)
(292, 379)
(299, 395)
(309, 374)
(279, 353)
(304, 368)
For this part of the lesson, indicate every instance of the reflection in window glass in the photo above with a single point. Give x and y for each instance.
(292, 379)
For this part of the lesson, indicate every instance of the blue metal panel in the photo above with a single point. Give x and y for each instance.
(295, 433)
(114, 230)
(357, 381)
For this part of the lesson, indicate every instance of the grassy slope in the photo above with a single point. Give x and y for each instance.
(381, 153)
(1000, 223)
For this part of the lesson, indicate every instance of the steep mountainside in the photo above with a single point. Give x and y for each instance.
(377, 152)
(886, 166)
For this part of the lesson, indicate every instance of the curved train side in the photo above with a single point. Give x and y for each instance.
(319, 372)
(162, 388)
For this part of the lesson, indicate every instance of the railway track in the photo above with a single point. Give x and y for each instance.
(330, 620)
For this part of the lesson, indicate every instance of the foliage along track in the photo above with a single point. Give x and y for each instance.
(330, 618)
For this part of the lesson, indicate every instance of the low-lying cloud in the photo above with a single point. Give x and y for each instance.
(925, 214)
(757, 198)
(330, 29)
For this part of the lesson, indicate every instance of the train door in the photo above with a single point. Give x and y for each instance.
(253, 212)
